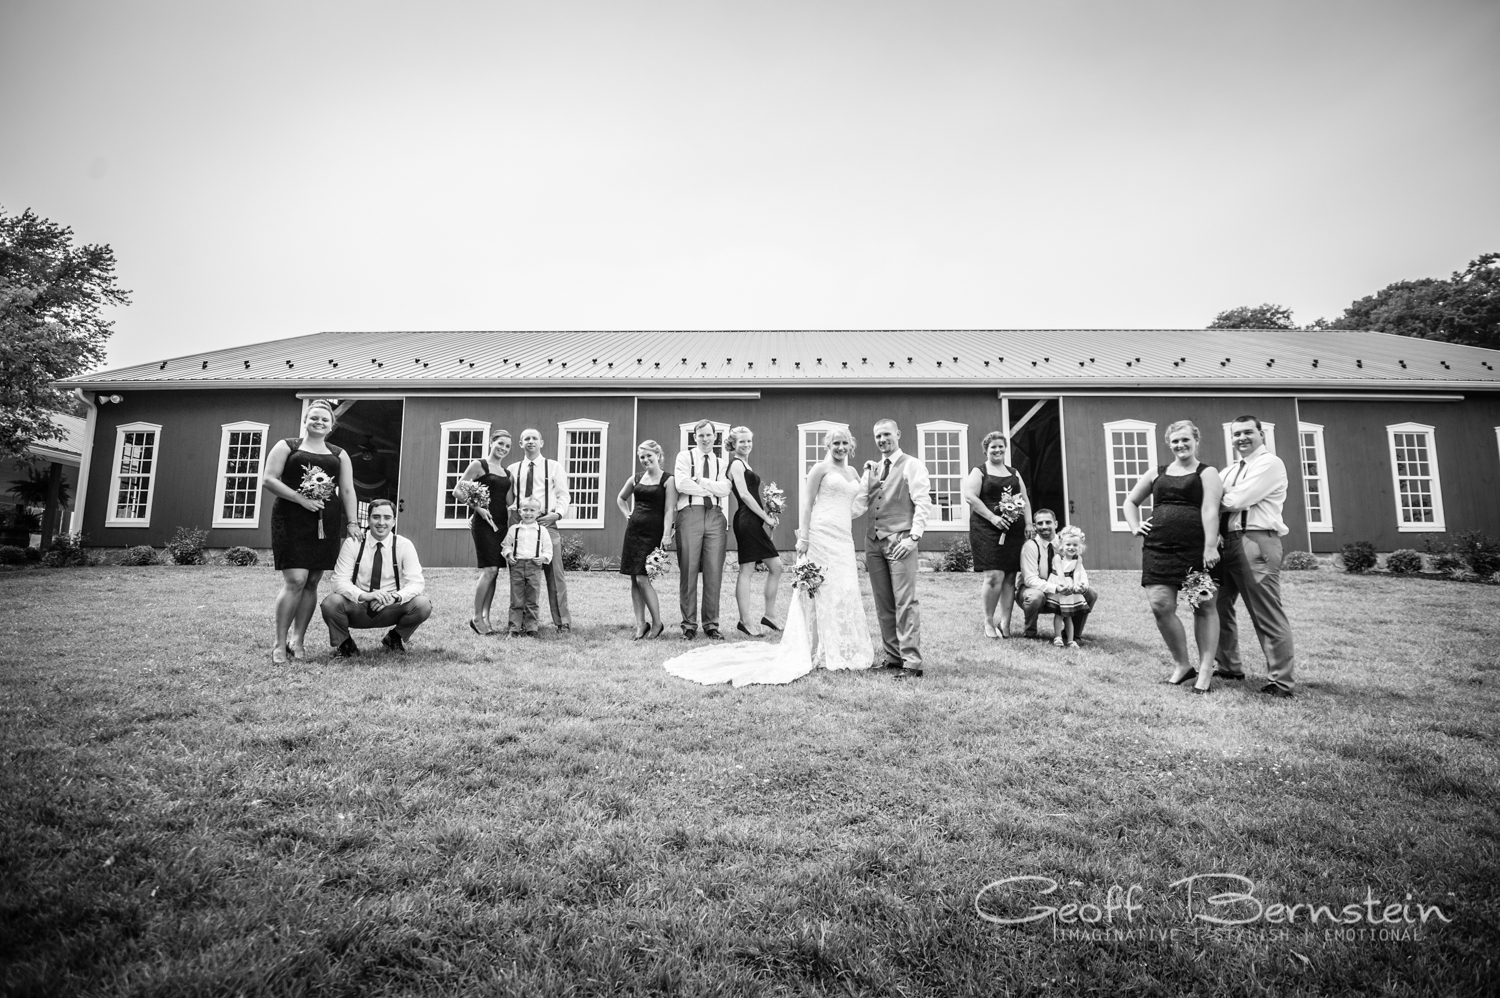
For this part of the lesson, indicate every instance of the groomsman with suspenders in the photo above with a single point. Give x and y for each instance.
(1254, 493)
(536, 477)
(702, 531)
(377, 582)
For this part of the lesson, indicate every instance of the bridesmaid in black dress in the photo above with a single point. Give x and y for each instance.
(997, 553)
(645, 500)
(752, 531)
(301, 555)
(1182, 536)
(487, 525)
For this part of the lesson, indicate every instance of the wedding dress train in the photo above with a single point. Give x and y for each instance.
(827, 631)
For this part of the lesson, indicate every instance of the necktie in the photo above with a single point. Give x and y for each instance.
(1048, 575)
(885, 469)
(707, 500)
(1244, 513)
(530, 479)
(377, 567)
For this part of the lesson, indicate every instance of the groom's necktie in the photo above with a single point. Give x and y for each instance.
(707, 500)
(377, 567)
(885, 469)
(530, 479)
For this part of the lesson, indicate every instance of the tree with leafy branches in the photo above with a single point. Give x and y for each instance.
(1463, 309)
(52, 299)
(1265, 316)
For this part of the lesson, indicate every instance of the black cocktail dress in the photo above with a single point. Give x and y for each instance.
(648, 521)
(1174, 547)
(486, 541)
(750, 536)
(984, 537)
(294, 529)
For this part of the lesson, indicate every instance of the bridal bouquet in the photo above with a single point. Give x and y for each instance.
(1199, 588)
(316, 484)
(656, 562)
(1009, 508)
(773, 500)
(808, 577)
(472, 493)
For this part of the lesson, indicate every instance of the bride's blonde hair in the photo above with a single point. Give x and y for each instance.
(838, 431)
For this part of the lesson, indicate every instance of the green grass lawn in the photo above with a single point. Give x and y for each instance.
(558, 816)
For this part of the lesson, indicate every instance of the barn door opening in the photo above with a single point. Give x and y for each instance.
(370, 430)
(1034, 428)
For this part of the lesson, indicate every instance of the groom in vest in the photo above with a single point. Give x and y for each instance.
(899, 494)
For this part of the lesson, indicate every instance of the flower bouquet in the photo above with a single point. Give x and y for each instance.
(1199, 588)
(773, 501)
(1009, 508)
(656, 562)
(316, 484)
(808, 577)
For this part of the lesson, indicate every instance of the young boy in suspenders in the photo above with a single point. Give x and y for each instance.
(527, 548)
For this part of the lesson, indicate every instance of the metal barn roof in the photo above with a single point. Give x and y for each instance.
(1060, 359)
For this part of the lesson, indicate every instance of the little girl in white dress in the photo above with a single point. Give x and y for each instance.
(1066, 585)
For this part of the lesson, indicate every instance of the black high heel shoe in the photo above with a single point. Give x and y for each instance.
(767, 622)
(745, 630)
(644, 630)
(655, 632)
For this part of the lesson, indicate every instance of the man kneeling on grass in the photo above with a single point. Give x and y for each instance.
(376, 583)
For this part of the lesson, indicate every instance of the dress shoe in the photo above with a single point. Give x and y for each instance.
(348, 649)
(1197, 691)
(564, 628)
(1190, 675)
(639, 632)
(713, 635)
(513, 633)
(656, 631)
(1221, 674)
(767, 622)
(889, 667)
(1272, 690)
(689, 633)
(1030, 634)
(745, 630)
(393, 642)
(906, 672)
(474, 627)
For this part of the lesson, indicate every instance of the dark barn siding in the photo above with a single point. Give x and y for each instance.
(421, 462)
(1089, 490)
(774, 419)
(1359, 467)
(187, 452)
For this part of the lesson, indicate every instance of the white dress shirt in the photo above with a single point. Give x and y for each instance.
(350, 579)
(549, 485)
(693, 487)
(527, 542)
(1255, 486)
(1032, 562)
(918, 484)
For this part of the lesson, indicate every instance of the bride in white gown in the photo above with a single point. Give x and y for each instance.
(826, 631)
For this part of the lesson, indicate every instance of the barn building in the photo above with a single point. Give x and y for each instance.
(1388, 439)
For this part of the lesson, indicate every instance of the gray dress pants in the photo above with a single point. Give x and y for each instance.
(702, 538)
(1251, 568)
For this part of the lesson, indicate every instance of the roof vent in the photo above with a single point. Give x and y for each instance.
(461, 360)
(426, 365)
(1048, 360)
(1128, 363)
(596, 360)
(864, 360)
(797, 364)
(893, 363)
(1315, 362)
(335, 363)
(908, 360)
(1271, 361)
(205, 365)
(820, 360)
(1443, 362)
(1359, 363)
(1401, 362)
(377, 364)
(417, 361)
(751, 365)
(565, 365)
(704, 364)
(940, 363)
(1033, 363)
(987, 363)
(729, 360)
(611, 365)
(638, 360)
(247, 365)
(773, 360)
(846, 365)
(684, 360)
(955, 360)
(658, 365)
(164, 365)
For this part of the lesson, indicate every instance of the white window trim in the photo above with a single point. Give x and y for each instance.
(249, 523)
(1116, 524)
(683, 429)
(462, 523)
(562, 457)
(110, 520)
(1438, 524)
(1316, 429)
(1270, 432)
(934, 521)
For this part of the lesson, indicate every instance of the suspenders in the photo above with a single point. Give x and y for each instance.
(359, 556)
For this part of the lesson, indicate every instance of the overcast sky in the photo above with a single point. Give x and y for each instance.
(270, 169)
